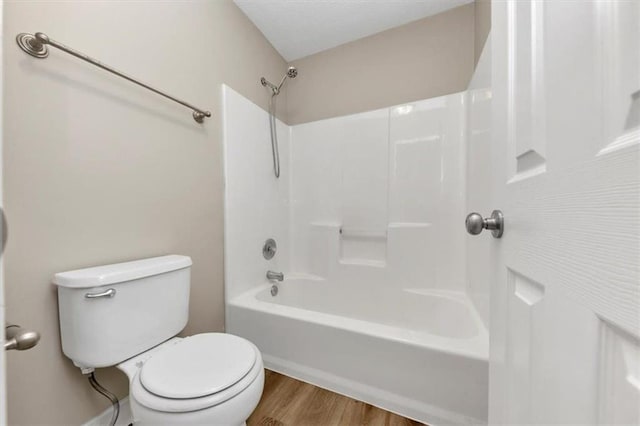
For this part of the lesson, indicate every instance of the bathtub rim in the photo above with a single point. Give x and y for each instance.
(476, 347)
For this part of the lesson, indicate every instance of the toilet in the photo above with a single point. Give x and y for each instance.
(128, 314)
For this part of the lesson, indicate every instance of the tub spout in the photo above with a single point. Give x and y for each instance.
(279, 276)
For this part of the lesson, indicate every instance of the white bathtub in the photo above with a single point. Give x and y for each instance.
(422, 354)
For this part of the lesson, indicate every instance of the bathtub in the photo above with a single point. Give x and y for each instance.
(421, 353)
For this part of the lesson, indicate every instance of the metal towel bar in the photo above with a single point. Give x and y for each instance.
(36, 46)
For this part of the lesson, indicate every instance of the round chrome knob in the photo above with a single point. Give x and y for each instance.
(475, 223)
(18, 338)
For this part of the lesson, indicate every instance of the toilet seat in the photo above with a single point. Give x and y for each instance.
(215, 366)
(198, 366)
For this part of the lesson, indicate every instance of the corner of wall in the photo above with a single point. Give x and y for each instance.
(482, 27)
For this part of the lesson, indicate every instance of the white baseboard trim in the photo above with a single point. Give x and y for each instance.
(103, 419)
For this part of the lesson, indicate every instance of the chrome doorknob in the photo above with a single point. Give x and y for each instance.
(18, 338)
(475, 223)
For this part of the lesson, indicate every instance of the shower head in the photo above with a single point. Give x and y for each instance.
(292, 72)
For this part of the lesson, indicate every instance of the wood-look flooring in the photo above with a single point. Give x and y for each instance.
(290, 402)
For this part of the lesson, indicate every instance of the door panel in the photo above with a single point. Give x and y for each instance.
(526, 94)
(620, 377)
(565, 297)
(533, 332)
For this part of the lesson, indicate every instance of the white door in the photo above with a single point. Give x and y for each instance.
(565, 301)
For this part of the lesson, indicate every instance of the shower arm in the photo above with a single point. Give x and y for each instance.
(281, 82)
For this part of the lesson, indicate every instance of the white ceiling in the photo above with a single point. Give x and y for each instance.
(298, 28)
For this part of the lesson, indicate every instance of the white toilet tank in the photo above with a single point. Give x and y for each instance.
(113, 312)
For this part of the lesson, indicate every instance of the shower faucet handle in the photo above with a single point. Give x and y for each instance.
(269, 248)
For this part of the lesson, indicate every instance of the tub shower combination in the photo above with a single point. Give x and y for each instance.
(366, 227)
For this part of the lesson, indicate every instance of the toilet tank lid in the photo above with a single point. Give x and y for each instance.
(121, 272)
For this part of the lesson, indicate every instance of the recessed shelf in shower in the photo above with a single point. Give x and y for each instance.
(365, 247)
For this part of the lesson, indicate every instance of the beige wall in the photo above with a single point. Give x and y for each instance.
(482, 26)
(430, 57)
(99, 171)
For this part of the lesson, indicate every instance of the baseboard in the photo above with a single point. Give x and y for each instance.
(124, 419)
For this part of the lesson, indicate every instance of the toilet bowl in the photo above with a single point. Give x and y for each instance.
(210, 378)
(128, 314)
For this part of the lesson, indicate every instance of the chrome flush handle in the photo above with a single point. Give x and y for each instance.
(110, 292)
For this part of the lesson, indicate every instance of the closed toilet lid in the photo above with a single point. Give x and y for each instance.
(199, 365)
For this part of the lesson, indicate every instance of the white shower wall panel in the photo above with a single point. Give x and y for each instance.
(256, 203)
(340, 182)
(379, 196)
(364, 156)
(315, 193)
(427, 211)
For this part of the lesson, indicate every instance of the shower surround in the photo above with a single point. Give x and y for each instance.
(368, 216)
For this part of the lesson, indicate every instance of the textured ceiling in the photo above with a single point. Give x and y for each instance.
(298, 28)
